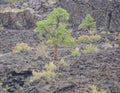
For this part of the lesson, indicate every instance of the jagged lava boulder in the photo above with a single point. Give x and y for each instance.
(18, 20)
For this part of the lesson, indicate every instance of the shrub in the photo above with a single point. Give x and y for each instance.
(62, 61)
(49, 42)
(107, 46)
(48, 72)
(93, 38)
(1, 27)
(116, 45)
(1, 83)
(24, 5)
(50, 66)
(38, 75)
(83, 38)
(89, 23)
(7, 87)
(75, 52)
(22, 47)
(11, 1)
(91, 48)
(103, 32)
(94, 90)
(118, 37)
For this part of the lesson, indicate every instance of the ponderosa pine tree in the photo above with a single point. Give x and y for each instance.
(54, 29)
(89, 23)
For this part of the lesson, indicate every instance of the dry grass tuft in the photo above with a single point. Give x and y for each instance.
(22, 47)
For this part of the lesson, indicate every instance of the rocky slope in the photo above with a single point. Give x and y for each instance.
(105, 12)
(101, 69)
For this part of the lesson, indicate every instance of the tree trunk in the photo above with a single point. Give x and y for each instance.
(55, 51)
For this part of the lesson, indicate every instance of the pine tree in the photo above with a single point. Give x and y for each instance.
(89, 23)
(54, 29)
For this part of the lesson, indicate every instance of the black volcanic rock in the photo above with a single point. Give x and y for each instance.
(105, 12)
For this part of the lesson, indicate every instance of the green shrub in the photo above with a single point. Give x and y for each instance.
(75, 52)
(116, 45)
(38, 75)
(91, 48)
(118, 37)
(83, 38)
(22, 47)
(49, 42)
(7, 87)
(11, 1)
(62, 61)
(48, 72)
(94, 90)
(107, 46)
(93, 38)
(1, 27)
(103, 32)
(50, 66)
(1, 83)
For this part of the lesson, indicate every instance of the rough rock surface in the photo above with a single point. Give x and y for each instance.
(100, 69)
(18, 20)
(9, 38)
(105, 12)
(33, 10)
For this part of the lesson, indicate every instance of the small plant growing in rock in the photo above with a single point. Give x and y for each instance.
(50, 66)
(118, 37)
(94, 90)
(91, 48)
(107, 46)
(89, 23)
(7, 87)
(83, 38)
(22, 47)
(54, 28)
(62, 61)
(103, 32)
(1, 83)
(93, 38)
(116, 45)
(38, 75)
(75, 52)
(48, 72)
(49, 42)
(1, 27)
(11, 1)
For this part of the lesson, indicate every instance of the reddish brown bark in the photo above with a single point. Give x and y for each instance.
(55, 51)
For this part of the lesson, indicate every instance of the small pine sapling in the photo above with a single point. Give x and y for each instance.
(54, 29)
(89, 23)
